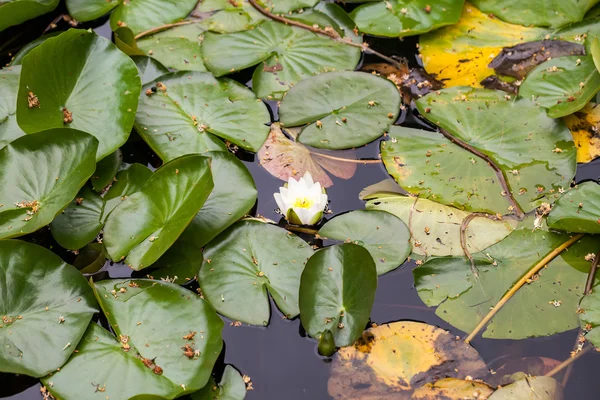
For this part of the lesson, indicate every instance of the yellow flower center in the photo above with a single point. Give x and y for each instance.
(303, 202)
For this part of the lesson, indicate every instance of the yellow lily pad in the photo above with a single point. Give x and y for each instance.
(391, 361)
(459, 54)
(584, 126)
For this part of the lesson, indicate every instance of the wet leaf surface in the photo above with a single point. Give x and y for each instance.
(284, 6)
(16, 12)
(535, 152)
(178, 47)
(183, 117)
(231, 387)
(106, 170)
(79, 80)
(459, 54)
(285, 55)
(337, 292)
(435, 228)
(137, 15)
(148, 222)
(81, 221)
(226, 16)
(399, 18)
(431, 166)
(544, 306)
(391, 361)
(155, 345)
(233, 196)
(149, 69)
(385, 236)
(578, 210)
(342, 109)
(238, 270)
(536, 12)
(38, 289)
(60, 162)
(9, 87)
(563, 85)
(285, 158)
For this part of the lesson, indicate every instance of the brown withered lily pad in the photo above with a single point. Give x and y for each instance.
(391, 361)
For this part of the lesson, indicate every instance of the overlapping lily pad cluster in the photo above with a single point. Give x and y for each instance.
(480, 200)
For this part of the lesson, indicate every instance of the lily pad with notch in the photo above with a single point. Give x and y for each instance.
(140, 15)
(180, 113)
(248, 262)
(59, 162)
(535, 152)
(38, 289)
(230, 387)
(542, 307)
(224, 16)
(285, 55)
(340, 110)
(399, 18)
(79, 80)
(337, 292)
(384, 235)
(168, 351)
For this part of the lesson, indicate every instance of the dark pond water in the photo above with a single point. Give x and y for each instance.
(280, 359)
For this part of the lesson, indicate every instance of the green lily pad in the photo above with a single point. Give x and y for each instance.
(178, 47)
(342, 109)
(18, 58)
(530, 388)
(79, 77)
(38, 289)
(590, 316)
(285, 55)
(226, 16)
(537, 12)
(106, 170)
(149, 69)
(595, 50)
(231, 387)
(337, 292)
(125, 41)
(15, 12)
(148, 222)
(179, 264)
(84, 217)
(196, 106)
(39, 175)
(129, 181)
(90, 259)
(544, 306)
(149, 347)
(9, 87)
(285, 6)
(431, 166)
(578, 210)
(80, 222)
(245, 261)
(385, 236)
(563, 85)
(399, 18)
(435, 228)
(137, 15)
(535, 152)
(233, 196)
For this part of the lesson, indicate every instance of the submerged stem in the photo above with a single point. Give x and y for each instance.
(568, 361)
(541, 264)
(589, 285)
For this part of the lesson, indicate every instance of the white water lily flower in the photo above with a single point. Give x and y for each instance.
(302, 201)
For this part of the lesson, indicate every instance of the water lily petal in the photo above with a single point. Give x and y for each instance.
(280, 202)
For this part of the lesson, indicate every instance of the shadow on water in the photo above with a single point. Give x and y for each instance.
(280, 359)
